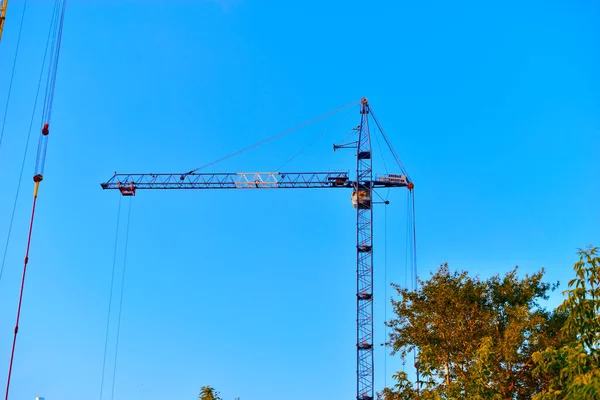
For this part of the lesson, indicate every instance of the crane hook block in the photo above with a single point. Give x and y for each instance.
(45, 129)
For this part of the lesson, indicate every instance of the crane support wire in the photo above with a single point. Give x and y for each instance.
(277, 136)
(12, 74)
(387, 141)
(40, 161)
(325, 132)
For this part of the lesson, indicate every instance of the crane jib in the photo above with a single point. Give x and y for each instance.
(129, 183)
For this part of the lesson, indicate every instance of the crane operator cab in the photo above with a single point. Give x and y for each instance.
(361, 199)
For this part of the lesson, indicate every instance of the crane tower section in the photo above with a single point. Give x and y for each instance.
(362, 200)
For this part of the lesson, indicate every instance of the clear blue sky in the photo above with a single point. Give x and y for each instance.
(493, 108)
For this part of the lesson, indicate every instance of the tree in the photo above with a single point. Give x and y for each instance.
(475, 338)
(572, 371)
(208, 393)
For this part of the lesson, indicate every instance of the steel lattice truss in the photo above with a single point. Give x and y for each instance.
(234, 180)
(364, 260)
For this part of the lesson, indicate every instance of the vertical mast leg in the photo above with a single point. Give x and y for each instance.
(363, 192)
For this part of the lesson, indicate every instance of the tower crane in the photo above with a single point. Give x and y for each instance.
(362, 200)
(3, 4)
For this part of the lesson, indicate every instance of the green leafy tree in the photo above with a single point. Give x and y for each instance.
(572, 371)
(208, 393)
(475, 338)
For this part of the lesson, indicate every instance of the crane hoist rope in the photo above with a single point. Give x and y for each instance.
(120, 302)
(110, 298)
(56, 33)
(25, 152)
(3, 4)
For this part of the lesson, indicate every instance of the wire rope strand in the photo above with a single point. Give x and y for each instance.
(56, 57)
(110, 296)
(37, 180)
(385, 304)
(387, 141)
(52, 37)
(57, 23)
(385, 168)
(416, 279)
(12, 74)
(112, 393)
(14, 343)
(277, 136)
(407, 241)
(414, 227)
(12, 217)
(329, 129)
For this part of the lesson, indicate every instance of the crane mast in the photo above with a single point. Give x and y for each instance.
(3, 4)
(364, 258)
(362, 200)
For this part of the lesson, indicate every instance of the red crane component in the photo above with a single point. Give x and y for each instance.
(127, 190)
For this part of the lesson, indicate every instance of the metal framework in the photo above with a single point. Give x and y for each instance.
(362, 199)
(3, 4)
(364, 259)
(234, 180)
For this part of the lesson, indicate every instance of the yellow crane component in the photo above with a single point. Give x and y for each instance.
(3, 4)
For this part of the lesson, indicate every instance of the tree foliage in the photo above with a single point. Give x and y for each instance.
(208, 393)
(475, 338)
(573, 370)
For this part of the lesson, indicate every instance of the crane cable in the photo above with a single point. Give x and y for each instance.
(58, 20)
(12, 74)
(112, 393)
(414, 272)
(110, 296)
(25, 151)
(110, 300)
(325, 132)
(277, 136)
(387, 141)
(385, 302)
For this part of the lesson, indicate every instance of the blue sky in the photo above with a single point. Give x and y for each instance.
(492, 107)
